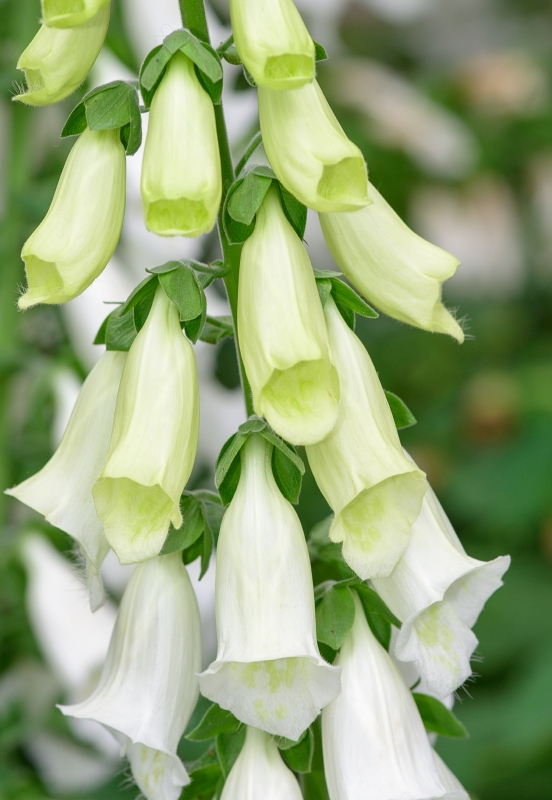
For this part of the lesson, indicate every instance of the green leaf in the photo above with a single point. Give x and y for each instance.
(403, 416)
(115, 105)
(324, 286)
(228, 468)
(117, 332)
(228, 746)
(380, 627)
(143, 292)
(343, 295)
(287, 476)
(205, 781)
(215, 721)
(236, 232)
(216, 329)
(437, 718)
(347, 313)
(335, 615)
(76, 121)
(247, 198)
(294, 210)
(147, 93)
(193, 526)
(213, 87)
(372, 602)
(207, 551)
(299, 758)
(319, 52)
(185, 291)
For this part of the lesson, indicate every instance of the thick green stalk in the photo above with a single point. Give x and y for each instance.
(193, 17)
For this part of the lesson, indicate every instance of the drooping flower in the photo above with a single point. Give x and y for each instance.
(62, 489)
(282, 332)
(57, 61)
(70, 13)
(438, 592)
(374, 490)
(148, 687)
(260, 772)
(392, 266)
(309, 151)
(81, 230)
(154, 439)
(374, 741)
(273, 42)
(268, 669)
(181, 174)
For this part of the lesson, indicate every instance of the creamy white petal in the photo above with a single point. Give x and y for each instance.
(438, 592)
(148, 688)
(273, 42)
(392, 266)
(181, 180)
(154, 438)
(282, 332)
(81, 230)
(56, 62)
(259, 772)
(374, 490)
(375, 744)
(62, 490)
(268, 670)
(70, 13)
(309, 151)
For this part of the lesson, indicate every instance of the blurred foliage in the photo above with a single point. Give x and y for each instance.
(484, 410)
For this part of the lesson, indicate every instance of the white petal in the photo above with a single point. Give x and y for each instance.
(159, 776)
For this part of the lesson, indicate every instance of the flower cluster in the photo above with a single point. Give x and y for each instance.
(119, 475)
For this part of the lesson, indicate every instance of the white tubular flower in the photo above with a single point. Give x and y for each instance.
(438, 592)
(375, 744)
(260, 772)
(282, 332)
(80, 232)
(62, 490)
(309, 151)
(148, 688)
(374, 490)
(449, 780)
(70, 13)
(268, 670)
(57, 61)
(392, 266)
(181, 175)
(273, 42)
(154, 439)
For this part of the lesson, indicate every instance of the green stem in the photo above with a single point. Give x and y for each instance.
(193, 17)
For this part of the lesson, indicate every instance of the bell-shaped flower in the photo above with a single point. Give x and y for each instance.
(260, 772)
(374, 490)
(57, 61)
(438, 592)
(62, 490)
(392, 266)
(148, 687)
(181, 174)
(374, 741)
(309, 151)
(80, 232)
(70, 13)
(273, 42)
(154, 439)
(268, 669)
(282, 332)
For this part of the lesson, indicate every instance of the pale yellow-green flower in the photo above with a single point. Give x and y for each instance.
(81, 230)
(57, 61)
(70, 13)
(273, 42)
(181, 175)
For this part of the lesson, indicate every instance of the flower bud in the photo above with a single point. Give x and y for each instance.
(392, 266)
(70, 13)
(57, 61)
(374, 741)
(148, 687)
(268, 669)
(309, 151)
(282, 332)
(273, 42)
(374, 490)
(154, 439)
(62, 490)
(260, 772)
(438, 592)
(80, 232)
(181, 174)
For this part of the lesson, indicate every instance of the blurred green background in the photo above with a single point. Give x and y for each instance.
(452, 105)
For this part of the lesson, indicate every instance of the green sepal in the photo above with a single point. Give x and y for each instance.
(320, 53)
(347, 301)
(117, 332)
(216, 329)
(206, 60)
(249, 78)
(380, 627)
(229, 52)
(437, 718)
(335, 615)
(403, 416)
(228, 746)
(183, 288)
(299, 756)
(113, 105)
(143, 293)
(206, 776)
(202, 514)
(214, 722)
(248, 196)
(284, 743)
(372, 603)
(322, 549)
